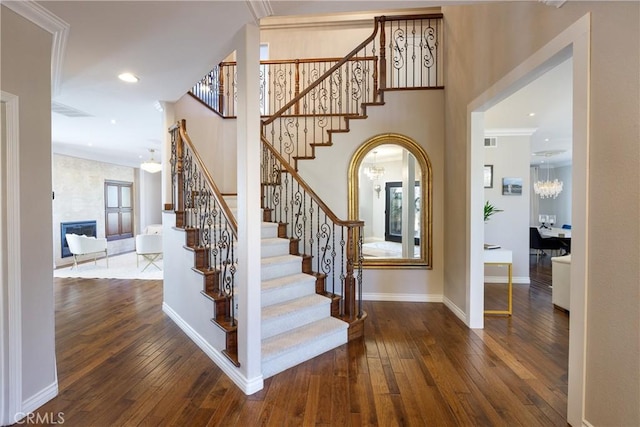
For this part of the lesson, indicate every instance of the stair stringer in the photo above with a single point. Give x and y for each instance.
(331, 132)
(184, 303)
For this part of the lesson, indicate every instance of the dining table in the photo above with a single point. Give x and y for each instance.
(562, 234)
(557, 232)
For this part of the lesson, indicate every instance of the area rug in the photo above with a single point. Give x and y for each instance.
(120, 267)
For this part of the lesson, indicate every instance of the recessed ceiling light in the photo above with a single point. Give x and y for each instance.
(546, 140)
(128, 77)
(532, 114)
(113, 121)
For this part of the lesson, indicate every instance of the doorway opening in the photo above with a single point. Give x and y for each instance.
(572, 42)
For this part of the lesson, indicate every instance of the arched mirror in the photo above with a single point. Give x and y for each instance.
(390, 190)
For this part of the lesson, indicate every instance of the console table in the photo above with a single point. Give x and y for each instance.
(502, 257)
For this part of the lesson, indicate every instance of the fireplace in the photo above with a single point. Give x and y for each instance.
(88, 228)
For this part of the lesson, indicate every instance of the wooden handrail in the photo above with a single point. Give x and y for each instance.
(307, 188)
(347, 58)
(415, 17)
(182, 127)
(294, 61)
(323, 77)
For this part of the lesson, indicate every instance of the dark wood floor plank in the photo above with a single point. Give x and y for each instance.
(123, 362)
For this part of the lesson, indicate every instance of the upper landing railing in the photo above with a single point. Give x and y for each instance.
(407, 54)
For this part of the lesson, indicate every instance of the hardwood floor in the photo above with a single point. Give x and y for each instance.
(122, 362)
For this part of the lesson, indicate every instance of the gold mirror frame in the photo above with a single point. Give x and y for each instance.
(425, 260)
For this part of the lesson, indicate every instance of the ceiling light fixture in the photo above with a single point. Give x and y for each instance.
(547, 188)
(151, 165)
(374, 171)
(129, 78)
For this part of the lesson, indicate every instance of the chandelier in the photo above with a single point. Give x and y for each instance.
(151, 165)
(374, 171)
(547, 188)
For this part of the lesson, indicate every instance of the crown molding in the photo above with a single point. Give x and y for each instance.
(555, 3)
(259, 9)
(509, 132)
(49, 22)
(335, 20)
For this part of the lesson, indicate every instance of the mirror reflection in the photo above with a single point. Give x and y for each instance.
(390, 203)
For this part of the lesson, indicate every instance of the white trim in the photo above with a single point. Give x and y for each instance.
(14, 295)
(510, 132)
(40, 398)
(456, 310)
(574, 40)
(248, 386)
(375, 296)
(555, 3)
(332, 20)
(259, 9)
(49, 22)
(4, 333)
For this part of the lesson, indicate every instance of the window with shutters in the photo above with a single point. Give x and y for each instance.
(118, 201)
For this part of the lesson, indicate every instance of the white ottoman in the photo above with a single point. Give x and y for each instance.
(561, 281)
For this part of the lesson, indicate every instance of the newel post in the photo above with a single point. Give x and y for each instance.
(179, 173)
(383, 54)
(349, 280)
(221, 90)
(297, 86)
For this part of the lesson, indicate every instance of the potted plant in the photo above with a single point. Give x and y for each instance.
(489, 210)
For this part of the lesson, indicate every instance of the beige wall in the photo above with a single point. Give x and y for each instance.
(79, 196)
(510, 228)
(26, 72)
(419, 116)
(214, 138)
(484, 42)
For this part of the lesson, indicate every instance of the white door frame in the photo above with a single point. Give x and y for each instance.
(10, 308)
(575, 42)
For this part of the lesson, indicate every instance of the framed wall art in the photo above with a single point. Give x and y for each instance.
(512, 186)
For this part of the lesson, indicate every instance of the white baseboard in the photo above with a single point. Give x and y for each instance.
(248, 386)
(520, 280)
(37, 400)
(455, 309)
(371, 296)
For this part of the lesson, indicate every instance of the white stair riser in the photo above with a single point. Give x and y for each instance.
(269, 230)
(274, 248)
(303, 353)
(288, 292)
(275, 270)
(285, 322)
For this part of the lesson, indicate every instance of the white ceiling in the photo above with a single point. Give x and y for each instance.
(170, 45)
(549, 99)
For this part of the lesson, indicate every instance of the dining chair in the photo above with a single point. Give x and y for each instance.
(540, 244)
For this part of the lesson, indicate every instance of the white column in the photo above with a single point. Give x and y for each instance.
(408, 205)
(249, 214)
(168, 120)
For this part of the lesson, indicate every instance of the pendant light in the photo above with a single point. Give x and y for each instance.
(151, 165)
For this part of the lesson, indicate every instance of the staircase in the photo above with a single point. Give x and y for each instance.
(296, 321)
(311, 266)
